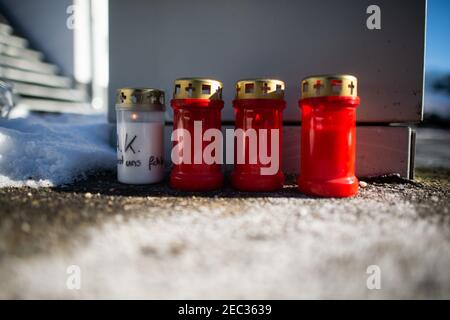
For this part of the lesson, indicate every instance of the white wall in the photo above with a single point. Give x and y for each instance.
(154, 42)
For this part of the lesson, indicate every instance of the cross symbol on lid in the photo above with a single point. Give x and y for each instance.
(352, 87)
(122, 97)
(190, 89)
(318, 86)
(265, 88)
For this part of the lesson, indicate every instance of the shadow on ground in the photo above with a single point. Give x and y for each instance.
(106, 184)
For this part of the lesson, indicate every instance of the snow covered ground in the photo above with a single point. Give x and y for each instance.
(154, 242)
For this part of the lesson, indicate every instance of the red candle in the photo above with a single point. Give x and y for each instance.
(328, 140)
(258, 108)
(197, 105)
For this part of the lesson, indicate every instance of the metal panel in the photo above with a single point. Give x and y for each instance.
(380, 150)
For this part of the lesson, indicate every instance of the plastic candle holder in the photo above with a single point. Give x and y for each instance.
(258, 108)
(197, 105)
(140, 135)
(328, 136)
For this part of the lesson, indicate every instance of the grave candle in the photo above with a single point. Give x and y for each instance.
(197, 105)
(140, 135)
(328, 136)
(258, 107)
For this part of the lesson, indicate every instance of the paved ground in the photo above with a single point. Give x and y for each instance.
(157, 243)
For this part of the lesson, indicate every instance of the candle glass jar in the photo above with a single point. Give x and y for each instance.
(328, 136)
(197, 105)
(140, 135)
(258, 109)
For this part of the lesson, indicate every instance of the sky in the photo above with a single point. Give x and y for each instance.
(438, 36)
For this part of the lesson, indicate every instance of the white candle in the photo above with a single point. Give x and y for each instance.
(140, 135)
(140, 152)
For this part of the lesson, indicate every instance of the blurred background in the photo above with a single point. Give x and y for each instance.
(437, 64)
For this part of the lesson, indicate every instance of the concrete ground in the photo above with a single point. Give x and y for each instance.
(153, 242)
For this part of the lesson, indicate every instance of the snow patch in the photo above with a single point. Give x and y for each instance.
(43, 151)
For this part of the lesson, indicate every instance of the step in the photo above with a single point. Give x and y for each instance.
(5, 29)
(36, 66)
(31, 90)
(13, 41)
(36, 78)
(3, 19)
(55, 106)
(20, 53)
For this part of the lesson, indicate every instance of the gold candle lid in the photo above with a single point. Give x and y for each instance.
(197, 88)
(140, 98)
(260, 89)
(329, 85)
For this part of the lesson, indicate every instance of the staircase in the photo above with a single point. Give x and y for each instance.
(37, 84)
